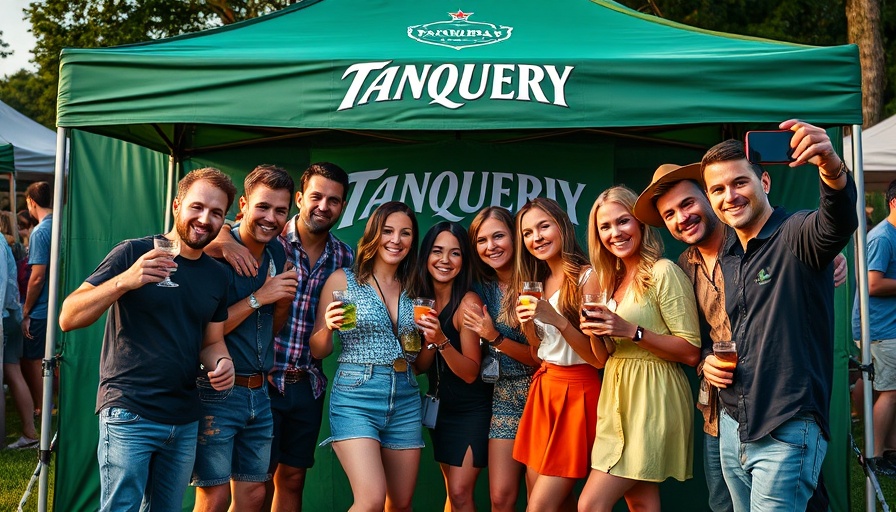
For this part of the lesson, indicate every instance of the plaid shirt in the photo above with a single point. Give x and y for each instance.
(291, 350)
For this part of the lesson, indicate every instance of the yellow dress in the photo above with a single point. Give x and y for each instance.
(645, 415)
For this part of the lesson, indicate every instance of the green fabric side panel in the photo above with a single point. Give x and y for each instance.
(116, 191)
(575, 63)
(7, 158)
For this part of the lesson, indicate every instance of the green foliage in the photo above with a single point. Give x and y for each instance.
(59, 24)
(813, 22)
(3, 46)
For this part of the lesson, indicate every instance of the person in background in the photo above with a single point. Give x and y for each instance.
(375, 402)
(451, 358)
(12, 335)
(492, 235)
(881, 257)
(234, 445)
(774, 419)
(297, 379)
(557, 428)
(25, 223)
(156, 340)
(39, 198)
(647, 327)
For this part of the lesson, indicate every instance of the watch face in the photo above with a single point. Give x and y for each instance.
(254, 302)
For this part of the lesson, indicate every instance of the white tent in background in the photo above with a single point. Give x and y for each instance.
(878, 154)
(33, 145)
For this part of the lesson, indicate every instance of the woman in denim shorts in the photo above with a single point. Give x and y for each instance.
(492, 236)
(375, 403)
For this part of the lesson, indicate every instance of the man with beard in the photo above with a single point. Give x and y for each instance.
(775, 404)
(236, 428)
(297, 379)
(676, 199)
(156, 340)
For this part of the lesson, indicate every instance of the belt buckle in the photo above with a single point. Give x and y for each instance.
(293, 376)
(400, 365)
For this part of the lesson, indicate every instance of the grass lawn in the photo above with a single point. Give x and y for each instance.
(857, 478)
(17, 466)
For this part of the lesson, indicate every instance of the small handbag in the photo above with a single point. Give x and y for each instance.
(490, 368)
(430, 410)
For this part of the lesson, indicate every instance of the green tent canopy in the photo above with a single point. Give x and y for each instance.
(402, 64)
(445, 104)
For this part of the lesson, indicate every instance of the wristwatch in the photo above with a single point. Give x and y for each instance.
(639, 334)
(253, 302)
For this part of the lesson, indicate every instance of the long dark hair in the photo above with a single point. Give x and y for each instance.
(370, 242)
(463, 282)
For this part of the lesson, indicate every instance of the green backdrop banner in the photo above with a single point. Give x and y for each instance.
(117, 191)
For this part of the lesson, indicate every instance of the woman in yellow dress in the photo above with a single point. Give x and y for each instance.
(647, 327)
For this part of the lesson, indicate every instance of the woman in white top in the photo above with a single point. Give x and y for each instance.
(558, 424)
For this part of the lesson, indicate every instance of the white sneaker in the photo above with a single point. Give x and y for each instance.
(23, 443)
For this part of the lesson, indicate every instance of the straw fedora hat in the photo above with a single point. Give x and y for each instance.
(645, 209)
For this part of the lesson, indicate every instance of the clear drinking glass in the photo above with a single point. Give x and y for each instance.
(171, 248)
(590, 303)
(349, 310)
(533, 289)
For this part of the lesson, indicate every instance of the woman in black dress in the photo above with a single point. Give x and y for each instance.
(451, 358)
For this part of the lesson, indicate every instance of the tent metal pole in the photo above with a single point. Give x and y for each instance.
(49, 362)
(12, 194)
(861, 243)
(169, 198)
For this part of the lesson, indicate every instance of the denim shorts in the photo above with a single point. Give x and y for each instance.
(235, 434)
(34, 347)
(12, 341)
(376, 402)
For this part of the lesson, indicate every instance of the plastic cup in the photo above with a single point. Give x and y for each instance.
(411, 342)
(726, 352)
(423, 306)
(590, 302)
(349, 310)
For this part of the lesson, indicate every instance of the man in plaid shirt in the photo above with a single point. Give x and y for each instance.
(297, 380)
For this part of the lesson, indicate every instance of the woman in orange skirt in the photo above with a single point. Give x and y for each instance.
(558, 424)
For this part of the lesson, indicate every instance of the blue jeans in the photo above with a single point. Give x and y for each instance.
(234, 435)
(778, 472)
(719, 497)
(143, 464)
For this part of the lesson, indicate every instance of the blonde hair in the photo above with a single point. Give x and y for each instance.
(530, 268)
(608, 268)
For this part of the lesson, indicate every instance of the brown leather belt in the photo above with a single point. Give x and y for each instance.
(400, 365)
(293, 376)
(254, 381)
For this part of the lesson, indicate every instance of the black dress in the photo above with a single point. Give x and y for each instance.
(465, 411)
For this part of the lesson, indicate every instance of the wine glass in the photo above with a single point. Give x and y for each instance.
(172, 248)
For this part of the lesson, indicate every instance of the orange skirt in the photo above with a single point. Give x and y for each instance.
(557, 428)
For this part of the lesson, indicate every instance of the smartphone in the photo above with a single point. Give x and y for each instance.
(769, 147)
